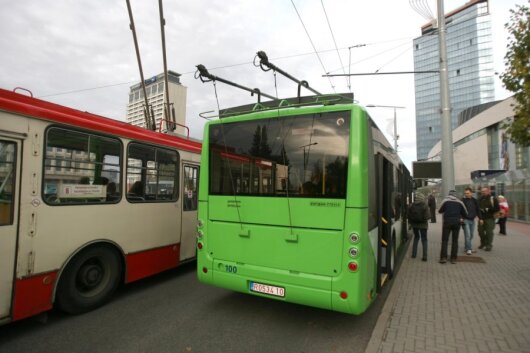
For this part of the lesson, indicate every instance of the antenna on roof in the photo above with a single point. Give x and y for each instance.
(203, 74)
(168, 117)
(264, 61)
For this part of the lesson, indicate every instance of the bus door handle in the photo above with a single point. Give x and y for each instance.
(291, 237)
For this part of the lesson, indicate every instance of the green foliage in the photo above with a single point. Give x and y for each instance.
(516, 78)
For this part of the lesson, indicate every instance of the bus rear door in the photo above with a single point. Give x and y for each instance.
(190, 188)
(9, 200)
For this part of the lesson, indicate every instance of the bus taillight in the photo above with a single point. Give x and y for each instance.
(343, 295)
(199, 245)
(352, 266)
(205, 269)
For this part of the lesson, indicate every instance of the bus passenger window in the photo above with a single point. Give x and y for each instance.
(152, 173)
(78, 166)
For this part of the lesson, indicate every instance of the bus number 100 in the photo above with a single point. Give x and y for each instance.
(231, 269)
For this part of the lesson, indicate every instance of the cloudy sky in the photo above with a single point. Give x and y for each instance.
(81, 53)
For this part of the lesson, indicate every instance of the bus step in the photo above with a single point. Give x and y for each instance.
(384, 278)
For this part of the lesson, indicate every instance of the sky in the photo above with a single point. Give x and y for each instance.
(81, 53)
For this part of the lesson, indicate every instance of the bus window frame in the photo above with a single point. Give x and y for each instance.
(87, 132)
(176, 178)
(13, 177)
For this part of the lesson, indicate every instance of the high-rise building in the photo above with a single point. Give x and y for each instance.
(155, 95)
(470, 69)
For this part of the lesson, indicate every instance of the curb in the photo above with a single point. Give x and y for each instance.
(388, 309)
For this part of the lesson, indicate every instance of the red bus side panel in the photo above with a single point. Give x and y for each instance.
(33, 295)
(147, 263)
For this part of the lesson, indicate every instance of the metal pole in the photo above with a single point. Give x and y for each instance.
(167, 116)
(448, 173)
(148, 123)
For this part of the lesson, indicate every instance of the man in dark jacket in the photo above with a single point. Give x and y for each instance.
(473, 211)
(454, 212)
(489, 206)
(431, 201)
(418, 215)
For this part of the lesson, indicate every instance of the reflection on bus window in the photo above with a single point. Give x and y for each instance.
(191, 184)
(78, 168)
(151, 173)
(298, 156)
(7, 182)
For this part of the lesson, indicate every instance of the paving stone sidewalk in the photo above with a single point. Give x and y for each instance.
(465, 307)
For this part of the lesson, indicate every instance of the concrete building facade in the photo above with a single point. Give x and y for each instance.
(481, 144)
(155, 89)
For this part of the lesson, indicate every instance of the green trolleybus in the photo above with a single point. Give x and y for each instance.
(301, 200)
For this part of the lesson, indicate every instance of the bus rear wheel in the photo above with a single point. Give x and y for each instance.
(89, 280)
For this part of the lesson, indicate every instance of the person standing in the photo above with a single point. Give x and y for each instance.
(473, 211)
(418, 214)
(504, 212)
(432, 206)
(489, 206)
(454, 211)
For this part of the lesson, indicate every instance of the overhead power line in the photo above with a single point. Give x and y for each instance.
(335, 43)
(312, 44)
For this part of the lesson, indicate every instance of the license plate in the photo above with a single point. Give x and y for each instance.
(267, 289)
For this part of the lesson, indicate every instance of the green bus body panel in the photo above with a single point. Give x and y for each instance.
(299, 244)
(280, 211)
(304, 250)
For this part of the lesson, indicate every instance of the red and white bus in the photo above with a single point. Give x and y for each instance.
(87, 203)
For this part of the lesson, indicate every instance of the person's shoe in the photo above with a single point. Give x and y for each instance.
(488, 248)
(453, 261)
(443, 260)
(423, 259)
(473, 251)
(468, 252)
(481, 247)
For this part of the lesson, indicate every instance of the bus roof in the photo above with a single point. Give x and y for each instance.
(43, 110)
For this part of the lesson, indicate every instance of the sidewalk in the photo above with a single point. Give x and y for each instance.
(463, 307)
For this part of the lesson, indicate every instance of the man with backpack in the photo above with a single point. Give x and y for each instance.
(418, 214)
(454, 212)
(489, 208)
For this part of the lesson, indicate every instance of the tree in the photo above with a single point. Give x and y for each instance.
(516, 78)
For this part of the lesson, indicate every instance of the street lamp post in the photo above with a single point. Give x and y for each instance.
(396, 136)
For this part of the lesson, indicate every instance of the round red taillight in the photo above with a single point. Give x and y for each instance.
(199, 245)
(205, 270)
(343, 295)
(352, 266)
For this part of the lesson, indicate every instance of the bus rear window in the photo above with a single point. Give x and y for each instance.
(296, 156)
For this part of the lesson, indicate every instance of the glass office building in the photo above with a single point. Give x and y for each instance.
(470, 68)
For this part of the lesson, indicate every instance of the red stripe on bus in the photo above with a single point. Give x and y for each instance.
(33, 295)
(147, 263)
(39, 109)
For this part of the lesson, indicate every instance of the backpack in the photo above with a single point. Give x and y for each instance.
(416, 213)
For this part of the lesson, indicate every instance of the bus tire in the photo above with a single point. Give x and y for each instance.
(89, 280)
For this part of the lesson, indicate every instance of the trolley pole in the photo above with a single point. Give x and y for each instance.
(448, 173)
